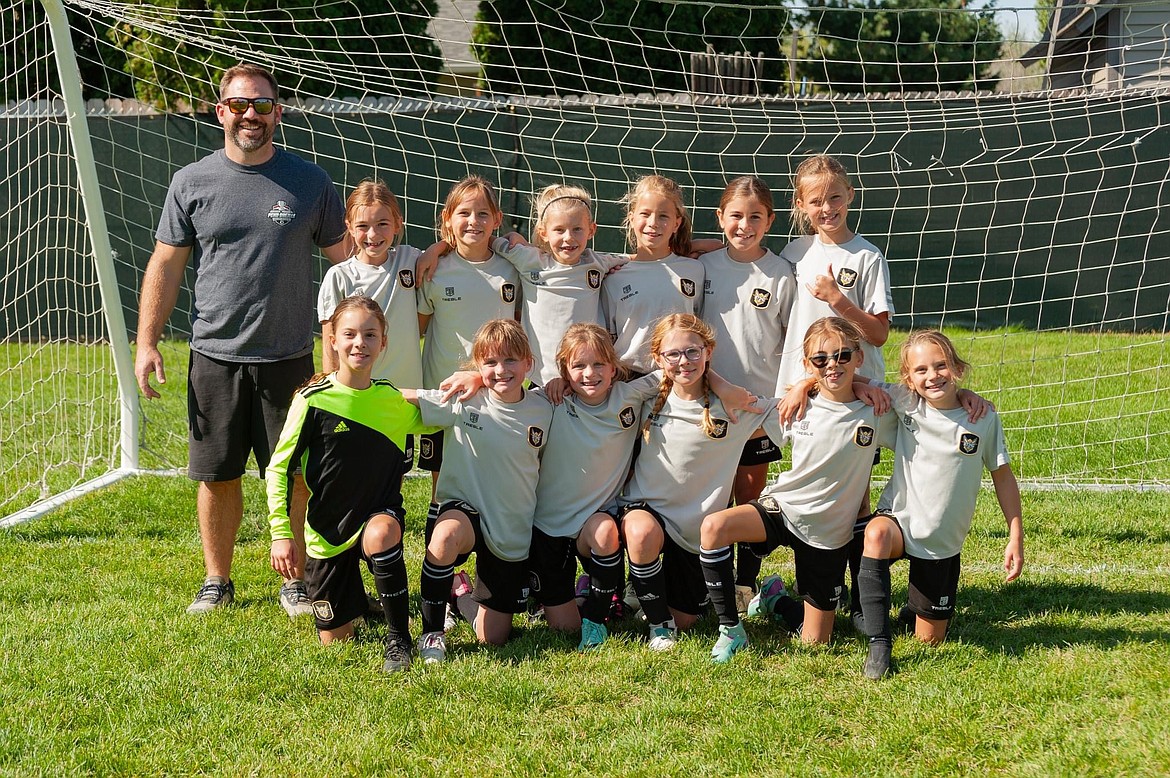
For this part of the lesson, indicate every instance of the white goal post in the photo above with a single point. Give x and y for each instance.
(1014, 176)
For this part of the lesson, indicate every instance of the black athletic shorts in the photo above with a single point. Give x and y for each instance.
(335, 584)
(552, 565)
(430, 451)
(934, 583)
(499, 584)
(686, 589)
(234, 408)
(760, 451)
(821, 572)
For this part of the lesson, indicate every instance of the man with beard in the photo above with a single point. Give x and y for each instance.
(248, 217)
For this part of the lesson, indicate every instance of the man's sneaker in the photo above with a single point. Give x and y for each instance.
(663, 636)
(294, 598)
(764, 603)
(743, 598)
(731, 640)
(877, 662)
(592, 635)
(432, 648)
(397, 656)
(215, 593)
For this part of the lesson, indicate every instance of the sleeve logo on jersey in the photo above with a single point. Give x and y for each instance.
(406, 278)
(593, 278)
(864, 436)
(282, 213)
(535, 437)
(627, 417)
(426, 449)
(846, 278)
(323, 610)
(718, 429)
(968, 443)
(687, 287)
(508, 293)
(761, 298)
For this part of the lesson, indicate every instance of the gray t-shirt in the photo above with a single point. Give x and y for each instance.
(491, 460)
(252, 230)
(639, 294)
(556, 296)
(587, 457)
(393, 287)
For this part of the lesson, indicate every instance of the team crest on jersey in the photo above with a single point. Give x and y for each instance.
(427, 448)
(718, 429)
(282, 213)
(626, 289)
(449, 291)
(687, 287)
(535, 437)
(534, 276)
(846, 278)
(593, 278)
(968, 443)
(406, 278)
(473, 417)
(323, 610)
(508, 293)
(627, 417)
(864, 436)
(761, 298)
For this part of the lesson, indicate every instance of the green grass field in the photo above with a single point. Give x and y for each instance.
(1065, 672)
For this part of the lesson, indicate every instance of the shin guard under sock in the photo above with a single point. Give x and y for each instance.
(719, 575)
(650, 585)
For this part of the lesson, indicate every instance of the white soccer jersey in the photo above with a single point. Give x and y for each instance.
(684, 474)
(639, 294)
(556, 296)
(748, 305)
(491, 460)
(587, 457)
(939, 460)
(391, 285)
(863, 276)
(460, 298)
(832, 456)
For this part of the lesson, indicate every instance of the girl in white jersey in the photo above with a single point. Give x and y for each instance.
(560, 275)
(747, 300)
(382, 269)
(660, 280)
(487, 488)
(470, 285)
(925, 511)
(690, 449)
(813, 506)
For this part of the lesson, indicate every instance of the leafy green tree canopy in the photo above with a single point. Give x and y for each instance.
(900, 45)
(619, 46)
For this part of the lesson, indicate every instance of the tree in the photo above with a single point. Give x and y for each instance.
(901, 45)
(616, 46)
(99, 63)
(176, 49)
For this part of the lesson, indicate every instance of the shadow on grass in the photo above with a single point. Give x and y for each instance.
(1028, 615)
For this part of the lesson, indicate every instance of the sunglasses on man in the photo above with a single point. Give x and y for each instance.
(239, 105)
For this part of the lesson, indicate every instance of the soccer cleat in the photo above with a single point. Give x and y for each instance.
(215, 593)
(432, 648)
(460, 587)
(397, 656)
(858, 620)
(877, 662)
(663, 636)
(592, 635)
(743, 598)
(581, 591)
(632, 607)
(374, 607)
(294, 598)
(764, 602)
(731, 640)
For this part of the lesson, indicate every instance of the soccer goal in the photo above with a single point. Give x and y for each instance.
(1013, 169)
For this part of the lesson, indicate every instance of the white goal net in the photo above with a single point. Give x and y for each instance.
(1010, 162)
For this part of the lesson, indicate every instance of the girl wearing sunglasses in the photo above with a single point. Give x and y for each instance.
(812, 507)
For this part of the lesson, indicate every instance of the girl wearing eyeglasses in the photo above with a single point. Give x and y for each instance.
(812, 507)
(691, 447)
